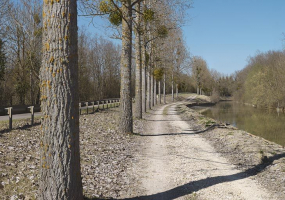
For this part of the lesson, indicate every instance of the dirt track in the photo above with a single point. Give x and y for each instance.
(186, 166)
(164, 160)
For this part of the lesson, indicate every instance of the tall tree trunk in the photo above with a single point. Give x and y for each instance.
(138, 96)
(148, 88)
(172, 87)
(164, 87)
(143, 79)
(159, 91)
(59, 145)
(152, 88)
(176, 90)
(144, 65)
(155, 98)
(126, 119)
(31, 89)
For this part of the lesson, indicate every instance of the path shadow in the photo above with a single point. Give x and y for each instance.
(195, 186)
(164, 114)
(191, 132)
(24, 127)
(168, 120)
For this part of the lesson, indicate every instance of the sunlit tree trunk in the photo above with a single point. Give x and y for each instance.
(164, 87)
(172, 86)
(152, 88)
(138, 96)
(148, 88)
(155, 98)
(159, 91)
(176, 90)
(60, 176)
(144, 65)
(143, 79)
(126, 120)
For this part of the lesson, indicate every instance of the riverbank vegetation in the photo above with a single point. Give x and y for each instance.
(262, 81)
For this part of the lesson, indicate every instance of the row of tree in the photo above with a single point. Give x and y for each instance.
(44, 59)
(21, 30)
(152, 23)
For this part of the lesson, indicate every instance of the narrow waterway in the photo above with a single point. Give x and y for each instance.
(262, 122)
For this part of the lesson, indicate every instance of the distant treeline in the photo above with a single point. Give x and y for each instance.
(21, 28)
(262, 81)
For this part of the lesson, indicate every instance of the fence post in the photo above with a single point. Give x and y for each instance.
(103, 104)
(10, 116)
(93, 106)
(98, 102)
(32, 114)
(86, 103)
(112, 104)
(107, 103)
(79, 108)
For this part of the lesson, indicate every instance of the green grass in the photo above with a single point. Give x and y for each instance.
(209, 123)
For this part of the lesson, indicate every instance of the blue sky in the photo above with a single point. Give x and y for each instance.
(226, 32)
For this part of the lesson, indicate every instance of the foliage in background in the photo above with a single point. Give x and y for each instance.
(262, 81)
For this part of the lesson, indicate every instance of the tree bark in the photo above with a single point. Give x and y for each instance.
(126, 119)
(164, 86)
(31, 88)
(59, 145)
(159, 91)
(149, 87)
(143, 79)
(152, 88)
(138, 96)
(176, 90)
(144, 65)
(172, 87)
(155, 98)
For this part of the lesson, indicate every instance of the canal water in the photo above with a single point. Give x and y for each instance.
(262, 122)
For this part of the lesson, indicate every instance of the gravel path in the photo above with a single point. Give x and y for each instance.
(186, 166)
(162, 161)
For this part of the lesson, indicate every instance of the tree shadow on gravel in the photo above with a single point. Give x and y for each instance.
(24, 127)
(195, 186)
(185, 132)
